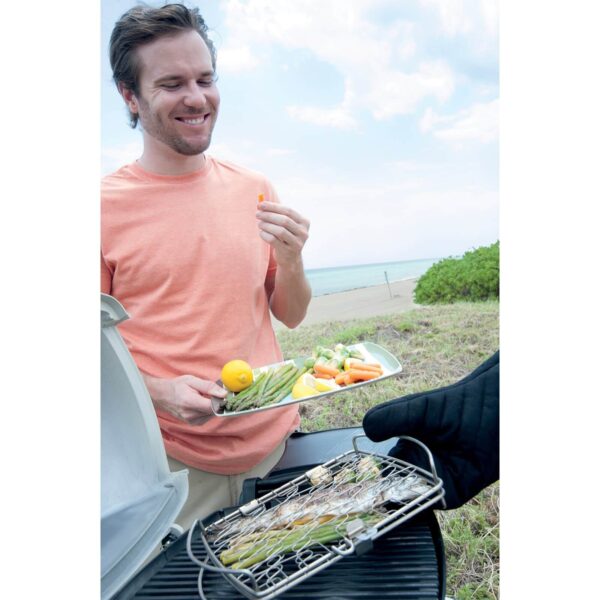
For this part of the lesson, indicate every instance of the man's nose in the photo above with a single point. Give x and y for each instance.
(195, 96)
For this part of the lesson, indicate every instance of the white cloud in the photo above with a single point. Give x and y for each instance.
(477, 123)
(400, 93)
(280, 151)
(338, 117)
(454, 17)
(462, 17)
(236, 58)
(392, 219)
(243, 152)
(476, 20)
(114, 157)
(371, 57)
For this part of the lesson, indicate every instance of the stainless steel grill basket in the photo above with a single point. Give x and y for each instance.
(333, 510)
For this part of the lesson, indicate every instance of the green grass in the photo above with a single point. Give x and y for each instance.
(436, 345)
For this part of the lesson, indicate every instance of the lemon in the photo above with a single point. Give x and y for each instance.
(325, 385)
(237, 375)
(308, 385)
(305, 386)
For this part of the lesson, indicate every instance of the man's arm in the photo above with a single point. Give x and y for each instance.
(185, 397)
(286, 231)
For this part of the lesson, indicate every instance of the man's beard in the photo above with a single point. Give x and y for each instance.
(154, 127)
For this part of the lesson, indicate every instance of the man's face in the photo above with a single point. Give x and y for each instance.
(178, 100)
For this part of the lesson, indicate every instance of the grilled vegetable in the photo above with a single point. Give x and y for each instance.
(281, 541)
(319, 475)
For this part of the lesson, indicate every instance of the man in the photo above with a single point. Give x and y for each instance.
(195, 259)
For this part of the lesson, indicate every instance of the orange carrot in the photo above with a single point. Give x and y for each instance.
(261, 197)
(375, 369)
(354, 375)
(324, 375)
(325, 369)
(341, 378)
(363, 366)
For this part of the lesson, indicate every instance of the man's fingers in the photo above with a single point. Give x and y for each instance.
(282, 215)
(285, 236)
(206, 388)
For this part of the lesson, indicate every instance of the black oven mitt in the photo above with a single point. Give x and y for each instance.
(458, 423)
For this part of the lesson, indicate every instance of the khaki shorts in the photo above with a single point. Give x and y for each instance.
(209, 492)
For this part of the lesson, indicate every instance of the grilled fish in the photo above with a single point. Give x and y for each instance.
(325, 503)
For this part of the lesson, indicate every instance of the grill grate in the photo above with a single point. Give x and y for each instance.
(333, 511)
(403, 565)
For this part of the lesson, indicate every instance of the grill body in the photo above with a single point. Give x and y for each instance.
(407, 563)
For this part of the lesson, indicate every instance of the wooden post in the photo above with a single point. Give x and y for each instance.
(388, 284)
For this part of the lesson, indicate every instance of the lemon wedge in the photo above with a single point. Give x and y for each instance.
(308, 385)
(325, 385)
(305, 386)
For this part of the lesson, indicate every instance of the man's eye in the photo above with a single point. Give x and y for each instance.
(169, 86)
(207, 82)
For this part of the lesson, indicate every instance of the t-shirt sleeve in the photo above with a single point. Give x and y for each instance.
(105, 276)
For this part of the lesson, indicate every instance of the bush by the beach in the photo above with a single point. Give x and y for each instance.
(474, 277)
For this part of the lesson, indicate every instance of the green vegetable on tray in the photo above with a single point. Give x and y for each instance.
(274, 384)
(269, 387)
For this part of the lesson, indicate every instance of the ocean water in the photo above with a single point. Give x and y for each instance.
(340, 279)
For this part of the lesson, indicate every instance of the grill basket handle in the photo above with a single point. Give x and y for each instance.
(207, 566)
(410, 439)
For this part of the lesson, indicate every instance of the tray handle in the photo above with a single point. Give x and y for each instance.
(410, 439)
(207, 566)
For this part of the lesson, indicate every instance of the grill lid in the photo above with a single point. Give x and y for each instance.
(140, 496)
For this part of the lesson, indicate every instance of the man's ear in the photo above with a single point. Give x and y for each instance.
(129, 98)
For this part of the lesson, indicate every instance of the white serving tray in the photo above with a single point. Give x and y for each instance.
(372, 353)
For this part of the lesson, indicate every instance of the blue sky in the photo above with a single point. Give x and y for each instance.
(377, 120)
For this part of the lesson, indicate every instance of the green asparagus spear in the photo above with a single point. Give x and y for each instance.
(284, 541)
(285, 390)
(257, 400)
(247, 393)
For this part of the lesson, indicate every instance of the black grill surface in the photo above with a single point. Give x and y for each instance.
(407, 563)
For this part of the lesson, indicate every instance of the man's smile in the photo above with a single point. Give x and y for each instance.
(197, 120)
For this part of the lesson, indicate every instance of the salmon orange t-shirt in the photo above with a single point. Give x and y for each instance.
(183, 256)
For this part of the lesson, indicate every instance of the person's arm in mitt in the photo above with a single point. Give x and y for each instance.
(458, 423)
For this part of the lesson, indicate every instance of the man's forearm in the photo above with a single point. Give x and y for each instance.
(159, 389)
(291, 295)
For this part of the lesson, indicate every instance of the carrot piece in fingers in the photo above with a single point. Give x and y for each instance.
(261, 197)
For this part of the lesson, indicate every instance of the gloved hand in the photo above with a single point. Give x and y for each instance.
(458, 423)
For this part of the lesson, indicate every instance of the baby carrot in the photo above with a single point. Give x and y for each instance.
(354, 363)
(325, 369)
(324, 375)
(341, 378)
(365, 367)
(354, 375)
(261, 197)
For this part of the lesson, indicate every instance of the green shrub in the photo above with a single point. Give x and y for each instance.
(474, 277)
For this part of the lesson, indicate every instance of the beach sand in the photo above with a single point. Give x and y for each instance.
(360, 303)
